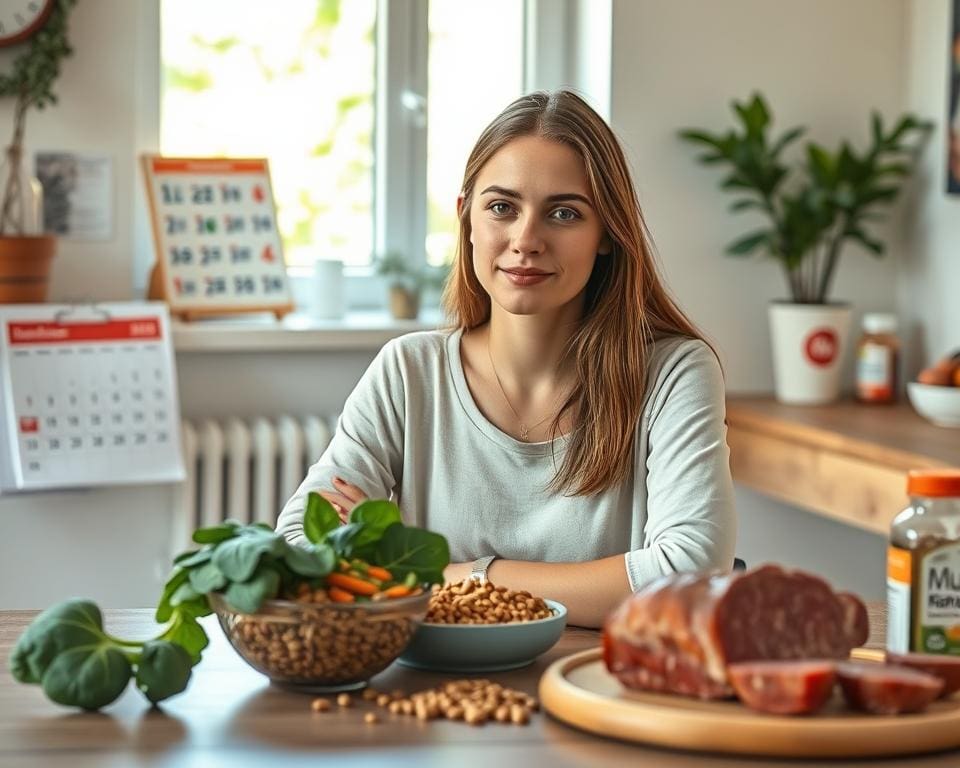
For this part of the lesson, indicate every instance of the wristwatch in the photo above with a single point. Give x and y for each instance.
(479, 570)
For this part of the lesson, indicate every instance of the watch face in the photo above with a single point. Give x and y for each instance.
(19, 19)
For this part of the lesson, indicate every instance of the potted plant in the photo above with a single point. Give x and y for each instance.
(407, 282)
(25, 252)
(812, 209)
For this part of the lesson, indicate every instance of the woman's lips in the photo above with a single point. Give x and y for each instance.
(525, 277)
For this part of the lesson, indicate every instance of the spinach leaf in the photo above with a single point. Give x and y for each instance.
(206, 578)
(319, 518)
(216, 533)
(88, 676)
(62, 626)
(238, 558)
(164, 607)
(313, 560)
(248, 596)
(163, 670)
(342, 538)
(191, 559)
(403, 550)
(375, 516)
(186, 632)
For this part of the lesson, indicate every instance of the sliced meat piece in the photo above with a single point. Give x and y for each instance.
(883, 689)
(684, 629)
(856, 622)
(665, 672)
(783, 687)
(947, 668)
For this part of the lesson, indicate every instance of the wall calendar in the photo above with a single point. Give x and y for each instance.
(218, 248)
(88, 396)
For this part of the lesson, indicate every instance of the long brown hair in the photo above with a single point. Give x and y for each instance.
(627, 306)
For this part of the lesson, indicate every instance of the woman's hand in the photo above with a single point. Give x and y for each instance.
(457, 572)
(344, 497)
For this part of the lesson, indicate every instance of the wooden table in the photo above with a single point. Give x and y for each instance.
(846, 460)
(231, 716)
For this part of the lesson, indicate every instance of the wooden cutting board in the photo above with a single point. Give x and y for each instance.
(579, 691)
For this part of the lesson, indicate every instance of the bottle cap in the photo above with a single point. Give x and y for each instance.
(880, 322)
(933, 482)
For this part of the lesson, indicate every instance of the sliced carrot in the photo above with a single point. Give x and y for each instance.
(398, 590)
(352, 584)
(379, 573)
(340, 595)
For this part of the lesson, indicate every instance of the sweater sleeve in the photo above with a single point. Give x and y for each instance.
(367, 447)
(691, 520)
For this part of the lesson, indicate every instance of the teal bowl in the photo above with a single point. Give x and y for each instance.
(480, 648)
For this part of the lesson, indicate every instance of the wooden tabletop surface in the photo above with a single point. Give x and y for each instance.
(231, 716)
(893, 435)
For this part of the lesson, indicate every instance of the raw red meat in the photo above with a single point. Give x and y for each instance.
(883, 689)
(679, 633)
(783, 687)
(947, 668)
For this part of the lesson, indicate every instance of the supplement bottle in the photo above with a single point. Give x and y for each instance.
(923, 566)
(878, 353)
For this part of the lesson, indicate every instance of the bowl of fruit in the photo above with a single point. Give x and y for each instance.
(935, 394)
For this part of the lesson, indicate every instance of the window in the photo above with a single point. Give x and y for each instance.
(297, 87)
(475, 69)
(332, 92)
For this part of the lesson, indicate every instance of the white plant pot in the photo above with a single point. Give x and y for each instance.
(809, 345)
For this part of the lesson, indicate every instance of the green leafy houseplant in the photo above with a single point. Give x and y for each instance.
(67, 651)
(815, 207)
(30, 83)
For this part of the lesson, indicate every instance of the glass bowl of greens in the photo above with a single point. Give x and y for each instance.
(321, 647)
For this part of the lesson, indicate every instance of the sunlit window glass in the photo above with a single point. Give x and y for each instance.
(475, 70)
(290, 80)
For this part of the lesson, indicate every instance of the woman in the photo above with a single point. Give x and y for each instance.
(572, 425)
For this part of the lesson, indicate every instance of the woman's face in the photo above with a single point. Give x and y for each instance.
(535, 232)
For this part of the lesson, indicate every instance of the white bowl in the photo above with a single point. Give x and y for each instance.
(941, 405)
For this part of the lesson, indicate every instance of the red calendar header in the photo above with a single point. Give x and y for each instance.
(207, 165)
(128, 329)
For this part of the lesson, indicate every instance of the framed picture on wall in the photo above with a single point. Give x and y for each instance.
(953, 118)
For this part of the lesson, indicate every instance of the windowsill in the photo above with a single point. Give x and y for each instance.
(297, 332)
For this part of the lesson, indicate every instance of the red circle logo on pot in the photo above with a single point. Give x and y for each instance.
(821, 346)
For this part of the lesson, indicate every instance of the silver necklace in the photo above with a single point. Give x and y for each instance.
(524, 429)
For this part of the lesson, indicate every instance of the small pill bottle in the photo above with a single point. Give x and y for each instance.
(878, 358)
(923, 566)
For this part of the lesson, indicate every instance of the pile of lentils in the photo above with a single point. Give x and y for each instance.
(473, 701)
(470, 602)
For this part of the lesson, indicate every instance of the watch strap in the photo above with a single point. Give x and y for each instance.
(478, 572)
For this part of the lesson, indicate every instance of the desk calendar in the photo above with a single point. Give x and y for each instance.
(215, 232)
(87, 396)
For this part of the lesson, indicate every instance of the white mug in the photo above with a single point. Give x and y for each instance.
(328, 289)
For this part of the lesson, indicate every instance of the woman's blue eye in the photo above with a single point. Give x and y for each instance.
(568, 214)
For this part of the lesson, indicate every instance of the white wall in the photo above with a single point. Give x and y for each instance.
(819, 63)
(929, 277)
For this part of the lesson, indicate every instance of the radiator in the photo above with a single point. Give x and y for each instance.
(242, 469)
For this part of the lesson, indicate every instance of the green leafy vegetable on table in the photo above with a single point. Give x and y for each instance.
(67, 651)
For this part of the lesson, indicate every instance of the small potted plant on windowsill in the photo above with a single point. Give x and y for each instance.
(25, 252)
(811, 210)
(407, 282)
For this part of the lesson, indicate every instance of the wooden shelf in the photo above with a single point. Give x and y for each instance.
(847, 461)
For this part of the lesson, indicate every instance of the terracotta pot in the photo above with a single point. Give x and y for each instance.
(25, 268)
(404, 303)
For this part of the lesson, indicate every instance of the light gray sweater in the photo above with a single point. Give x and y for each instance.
(411, 429)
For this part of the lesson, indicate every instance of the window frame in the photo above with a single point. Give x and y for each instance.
(399, 218)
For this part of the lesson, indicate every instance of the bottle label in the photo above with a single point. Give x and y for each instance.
(899, 579)
(874, 372)
(937, 600)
